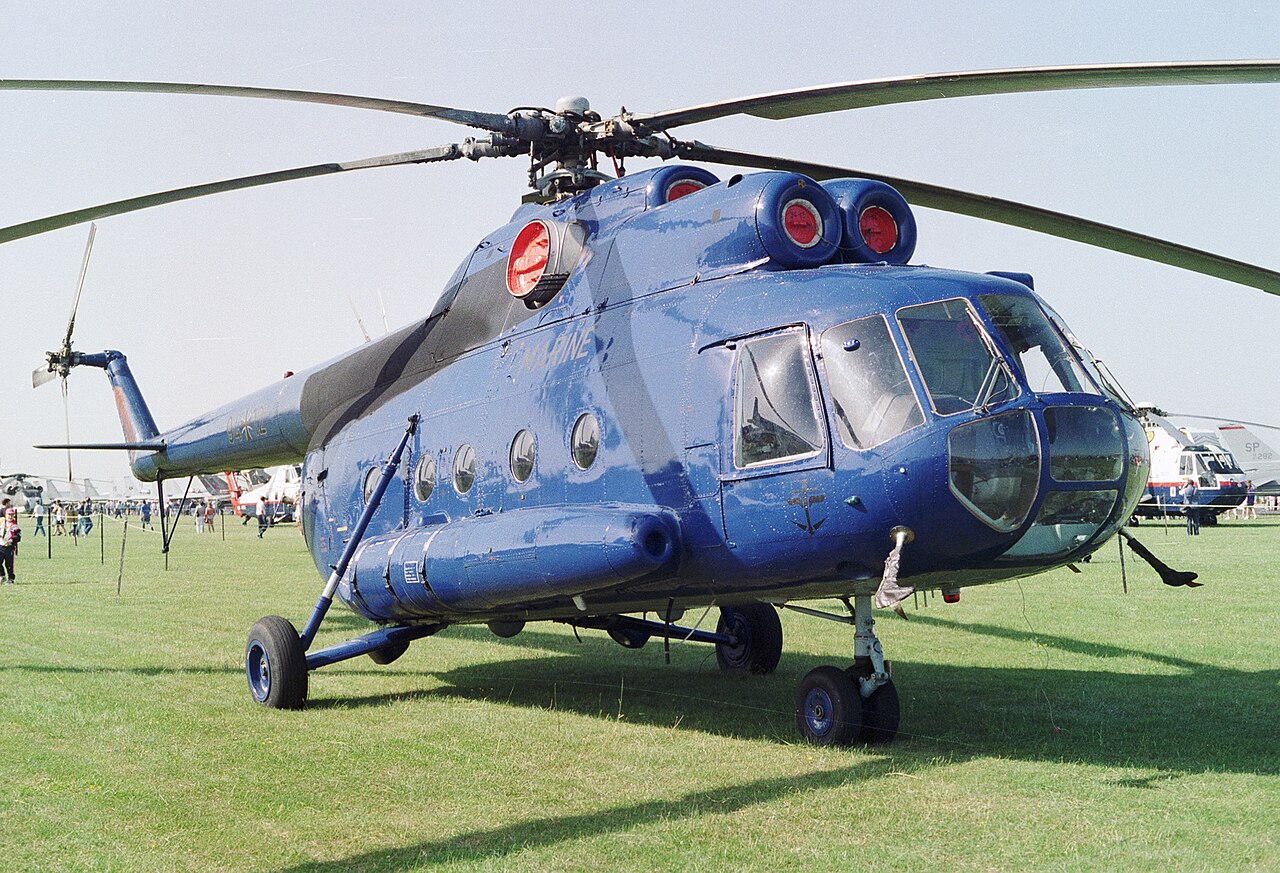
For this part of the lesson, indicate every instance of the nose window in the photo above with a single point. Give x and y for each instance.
(774, 412)
(995, 468)
(1067, 520)
(1084, 444)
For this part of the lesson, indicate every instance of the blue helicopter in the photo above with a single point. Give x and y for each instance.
(670, 391)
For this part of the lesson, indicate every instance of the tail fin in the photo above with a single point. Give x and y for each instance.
(1259, 461)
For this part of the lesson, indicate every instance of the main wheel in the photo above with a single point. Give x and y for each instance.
(388, 653)
(759, 638)
(276, 664)
(828, 707)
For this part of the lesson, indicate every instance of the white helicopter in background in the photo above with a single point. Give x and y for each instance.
(1178, 457)
(1259, 461)
(277, 487)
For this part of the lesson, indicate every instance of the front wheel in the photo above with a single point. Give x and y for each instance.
(828, 707)
(881, 714)
(276, 664)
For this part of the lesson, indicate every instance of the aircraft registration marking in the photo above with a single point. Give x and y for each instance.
(568, 346)
(252, 424)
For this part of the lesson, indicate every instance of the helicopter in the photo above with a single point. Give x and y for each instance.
(665, 391)
(1260, 462)
(1176, 458)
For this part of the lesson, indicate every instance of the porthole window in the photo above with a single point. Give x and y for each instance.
(585, 441)
(522, 456)
(424, 477)
(371, 482)
(464, 469)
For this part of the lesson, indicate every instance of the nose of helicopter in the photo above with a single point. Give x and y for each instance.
(1085, 486)
(1047, 483)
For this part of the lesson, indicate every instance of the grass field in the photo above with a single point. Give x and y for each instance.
(1054, 724)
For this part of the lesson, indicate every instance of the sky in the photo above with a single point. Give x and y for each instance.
(213, 298)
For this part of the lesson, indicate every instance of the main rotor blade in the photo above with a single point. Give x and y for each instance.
(1016, 214)
(935, 86)
(1224, 420)
(133, 204)
(75, 302)
(483, 120)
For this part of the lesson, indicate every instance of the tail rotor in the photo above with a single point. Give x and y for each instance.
(58, 364)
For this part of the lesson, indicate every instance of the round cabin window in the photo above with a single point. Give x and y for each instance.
(464, 469)
(585, 441)
(424, 477)
(522, 456)
(371, 482)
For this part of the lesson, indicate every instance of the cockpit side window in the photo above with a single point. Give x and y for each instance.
(870, 394)
(1041, 353)
(775, 416)
(957, 361)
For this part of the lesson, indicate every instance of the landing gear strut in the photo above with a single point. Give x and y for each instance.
(837, 707)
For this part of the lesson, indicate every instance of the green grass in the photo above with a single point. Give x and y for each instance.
(1053, 724)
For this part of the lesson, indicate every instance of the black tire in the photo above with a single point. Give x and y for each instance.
(276, 665)
(881, 713)
(759, 634)
(828, 707)
(389, 653)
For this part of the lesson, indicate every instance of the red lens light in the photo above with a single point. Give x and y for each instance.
(802, 223)
(951, 598)
(528, 259)
(683, 188)
(879, 230)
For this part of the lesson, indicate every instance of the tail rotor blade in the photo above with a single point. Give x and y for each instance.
(41, 376)
(75, 302)
(66, 418)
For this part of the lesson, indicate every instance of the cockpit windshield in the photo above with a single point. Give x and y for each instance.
(1040, 351)
(1221, 464)
(1098, 370)
(956, 359)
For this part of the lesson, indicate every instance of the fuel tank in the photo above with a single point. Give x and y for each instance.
(508, 559)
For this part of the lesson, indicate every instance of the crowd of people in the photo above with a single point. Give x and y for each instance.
(76, 519)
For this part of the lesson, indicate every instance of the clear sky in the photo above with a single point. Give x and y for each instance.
(213, 298)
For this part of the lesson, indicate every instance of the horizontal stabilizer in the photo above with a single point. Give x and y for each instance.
(110, 447)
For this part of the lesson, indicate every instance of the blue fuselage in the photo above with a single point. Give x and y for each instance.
(699, 415)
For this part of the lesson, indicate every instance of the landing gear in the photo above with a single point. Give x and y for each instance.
(758, 638)
(276, 664)
(837, 707)
(881, 712)
(829, 707)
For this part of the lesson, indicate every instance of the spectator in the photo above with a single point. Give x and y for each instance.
(10, 535)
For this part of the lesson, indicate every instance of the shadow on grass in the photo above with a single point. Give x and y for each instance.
(1200, 718)
(497, 843)
(1064, 644)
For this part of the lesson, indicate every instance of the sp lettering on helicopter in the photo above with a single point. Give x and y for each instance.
(631, 398)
